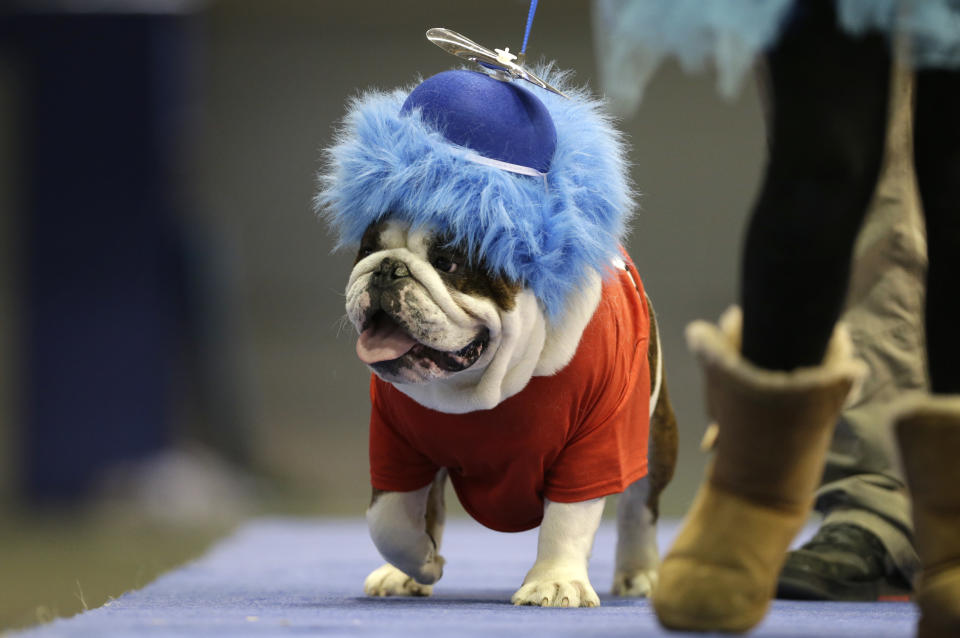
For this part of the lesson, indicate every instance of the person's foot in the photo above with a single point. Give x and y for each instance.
(841, 562)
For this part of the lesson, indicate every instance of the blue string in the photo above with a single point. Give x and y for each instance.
(526, 33)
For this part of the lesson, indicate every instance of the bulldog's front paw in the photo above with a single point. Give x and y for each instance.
(390, 581)
(638, 583)
(557, 588)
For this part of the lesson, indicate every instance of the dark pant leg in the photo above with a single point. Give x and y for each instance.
(937, 155)
(829, 95)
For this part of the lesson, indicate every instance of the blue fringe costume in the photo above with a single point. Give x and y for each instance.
(635, 36)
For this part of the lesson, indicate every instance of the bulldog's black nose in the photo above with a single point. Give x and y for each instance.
(388, 272)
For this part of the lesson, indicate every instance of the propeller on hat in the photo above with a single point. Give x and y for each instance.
(500, 61)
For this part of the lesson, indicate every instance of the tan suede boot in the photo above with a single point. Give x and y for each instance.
(928, 431)
(774, 430)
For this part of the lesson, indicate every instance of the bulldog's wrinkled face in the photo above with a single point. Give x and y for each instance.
(423, 311)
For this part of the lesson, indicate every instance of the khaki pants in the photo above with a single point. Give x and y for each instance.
(862, 481)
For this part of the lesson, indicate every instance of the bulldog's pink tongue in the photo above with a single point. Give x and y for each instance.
(383, 340)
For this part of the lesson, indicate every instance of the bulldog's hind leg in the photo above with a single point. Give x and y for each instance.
(407, 528)
(638, 556)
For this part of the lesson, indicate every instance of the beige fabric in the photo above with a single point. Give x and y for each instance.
(774, 429)
(928, 432)
(862, 483)
(720, 574)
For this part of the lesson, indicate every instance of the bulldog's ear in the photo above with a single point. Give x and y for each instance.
(370, 242)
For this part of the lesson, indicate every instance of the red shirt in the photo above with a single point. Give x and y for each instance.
(573, 436)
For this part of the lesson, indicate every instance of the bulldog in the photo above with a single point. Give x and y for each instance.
(514, 351)
(535, 419)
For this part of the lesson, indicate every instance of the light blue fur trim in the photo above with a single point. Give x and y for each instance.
(547, 238)
(634, 38)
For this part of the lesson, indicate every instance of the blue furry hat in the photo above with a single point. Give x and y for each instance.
(397, 154)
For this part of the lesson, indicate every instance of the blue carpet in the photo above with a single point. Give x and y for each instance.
(287, 577)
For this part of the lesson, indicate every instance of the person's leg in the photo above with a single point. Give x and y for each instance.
(864, 549)
(775, 403)
(928, 430)
(937, 158)
(827, 127)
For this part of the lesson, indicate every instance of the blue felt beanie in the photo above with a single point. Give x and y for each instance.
(412, 154)
(499, 120)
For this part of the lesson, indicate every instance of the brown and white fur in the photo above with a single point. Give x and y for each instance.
(476, 340)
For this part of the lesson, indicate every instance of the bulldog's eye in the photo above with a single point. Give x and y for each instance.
(444, 264)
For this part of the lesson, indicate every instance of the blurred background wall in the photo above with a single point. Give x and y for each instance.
(265, 375)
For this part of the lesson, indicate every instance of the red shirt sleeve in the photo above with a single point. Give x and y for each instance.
(395, 465)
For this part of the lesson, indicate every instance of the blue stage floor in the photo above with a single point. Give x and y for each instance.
(287, 577)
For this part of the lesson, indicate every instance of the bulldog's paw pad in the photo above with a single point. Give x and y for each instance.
(639, 583)
(390, 581)
(557, 593)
